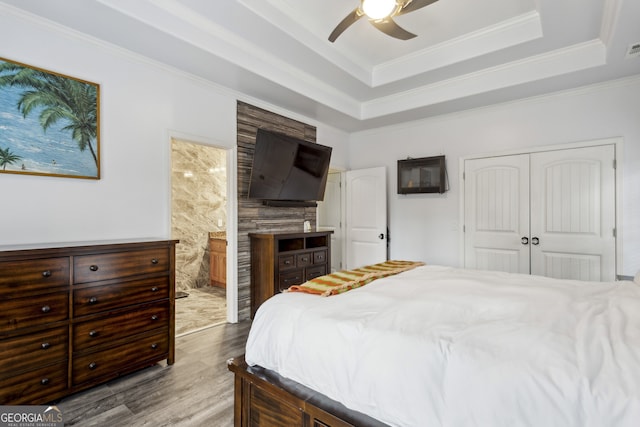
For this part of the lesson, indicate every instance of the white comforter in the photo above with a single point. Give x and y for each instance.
(438, 346)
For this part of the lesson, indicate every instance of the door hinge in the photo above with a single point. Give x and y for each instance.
(615, 233)
(464, 176)
(464, 228)
(615, 165)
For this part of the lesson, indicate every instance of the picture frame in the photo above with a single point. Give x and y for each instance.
(49, 123)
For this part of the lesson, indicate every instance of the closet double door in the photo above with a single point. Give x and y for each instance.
(548, 213)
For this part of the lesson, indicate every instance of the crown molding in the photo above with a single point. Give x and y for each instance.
(220, 42)
(280, 16)
(561, 61)
(610, 14)
(512, 32)
(631, 81)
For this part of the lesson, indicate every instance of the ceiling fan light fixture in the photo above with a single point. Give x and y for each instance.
(379, 9)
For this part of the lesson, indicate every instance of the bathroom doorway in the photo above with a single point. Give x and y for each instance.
(199, 220)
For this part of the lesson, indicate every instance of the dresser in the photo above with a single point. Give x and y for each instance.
(280, 260)
(76, 315)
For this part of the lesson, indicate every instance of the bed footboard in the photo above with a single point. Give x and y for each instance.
(264, 398)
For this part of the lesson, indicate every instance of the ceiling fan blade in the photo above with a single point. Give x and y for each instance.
(389, 27)
(344, 24)
(415, 5)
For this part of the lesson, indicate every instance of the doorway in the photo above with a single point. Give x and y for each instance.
(198, 220)
(330, 217)
(355, 209)
(366, 216)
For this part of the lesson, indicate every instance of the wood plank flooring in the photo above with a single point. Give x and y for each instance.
(196, 391)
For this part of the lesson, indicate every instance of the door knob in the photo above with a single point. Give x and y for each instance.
(535, 241)
(381, 236)
(525, 240)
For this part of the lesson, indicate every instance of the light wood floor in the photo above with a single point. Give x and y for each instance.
(196, 391)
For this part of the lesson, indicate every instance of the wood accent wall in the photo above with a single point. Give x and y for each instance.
(253, 216)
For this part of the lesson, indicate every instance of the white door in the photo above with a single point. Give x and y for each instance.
(573, 213)
(366, 217)
(548, 213)
(330, 217)
(496, 193)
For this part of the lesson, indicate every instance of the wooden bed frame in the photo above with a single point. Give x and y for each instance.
(264, 398)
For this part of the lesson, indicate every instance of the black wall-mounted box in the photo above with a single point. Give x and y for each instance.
(423, 175)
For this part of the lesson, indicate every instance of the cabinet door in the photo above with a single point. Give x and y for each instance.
(218, 262)
(497, 214)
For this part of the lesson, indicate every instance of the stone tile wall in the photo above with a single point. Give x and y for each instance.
(198, 207)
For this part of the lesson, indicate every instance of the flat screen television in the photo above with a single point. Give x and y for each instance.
(288, 169)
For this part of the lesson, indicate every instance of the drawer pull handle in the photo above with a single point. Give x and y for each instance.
(287, 262)
(93, 333)
(45, 309)
(93, 365)
(154, 289)
(44, 381)
(154, 346)
(154, 261)
(45, 345)
(154, 317)
(93, 300)
(93, 267)
(46, 273)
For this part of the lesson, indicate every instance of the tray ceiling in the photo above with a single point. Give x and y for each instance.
(467, 53)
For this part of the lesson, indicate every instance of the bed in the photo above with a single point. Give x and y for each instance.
(440, 346)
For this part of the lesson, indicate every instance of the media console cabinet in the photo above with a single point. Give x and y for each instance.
(76, 315)
(280, 260)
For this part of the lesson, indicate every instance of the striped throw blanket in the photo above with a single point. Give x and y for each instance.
(345, 280)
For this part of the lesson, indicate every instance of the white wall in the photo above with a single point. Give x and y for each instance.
(425, 227)
(142, 103)
(338, 140)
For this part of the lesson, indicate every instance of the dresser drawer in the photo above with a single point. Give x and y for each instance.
(290, 278)
(31, 311)
(95, 299)
(34, 387)
(315, 271)
(37, 349)
(320, 257)
(33, 275)
(304, 259)
(286, 262)
(121, 359)
(104, 330)
(91, 268)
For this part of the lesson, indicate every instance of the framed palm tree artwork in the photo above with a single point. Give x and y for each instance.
(49, 123)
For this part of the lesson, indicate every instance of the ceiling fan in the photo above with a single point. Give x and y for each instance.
(380, 14)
